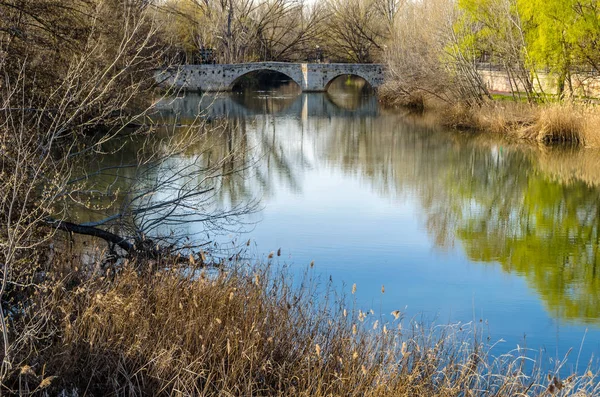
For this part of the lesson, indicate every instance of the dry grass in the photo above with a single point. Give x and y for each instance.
(591, 127)
(503, 118)
(495, 117)
(248, 332)
(392, 94)
(550, 124)
(560, 123)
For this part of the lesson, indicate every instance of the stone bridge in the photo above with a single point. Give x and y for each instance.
(314, 77)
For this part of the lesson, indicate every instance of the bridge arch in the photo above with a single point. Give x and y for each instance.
(372, 84)
(286, 71)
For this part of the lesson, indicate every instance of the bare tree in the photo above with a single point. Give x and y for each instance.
(286, 30)
(355, 30)
(88, 145)
(244, 30)
(428, 58)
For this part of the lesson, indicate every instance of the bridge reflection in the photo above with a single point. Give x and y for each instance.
(249, 104)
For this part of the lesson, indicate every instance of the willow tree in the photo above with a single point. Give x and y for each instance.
(586, 33)
(563, 36)
(499, 32)
(548, 24)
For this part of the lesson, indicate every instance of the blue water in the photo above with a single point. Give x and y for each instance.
(458, 227)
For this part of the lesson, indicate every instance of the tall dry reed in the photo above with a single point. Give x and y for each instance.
(249, 331)
(549, 124)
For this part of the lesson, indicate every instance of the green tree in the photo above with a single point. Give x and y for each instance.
(548, 23)
(499, 33)
(586, 33)
(563, 35)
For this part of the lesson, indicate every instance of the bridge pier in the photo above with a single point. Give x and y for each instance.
(310, 77)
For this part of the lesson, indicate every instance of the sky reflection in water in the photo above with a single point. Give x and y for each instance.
(457, 226)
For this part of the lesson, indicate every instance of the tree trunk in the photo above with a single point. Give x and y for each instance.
(91, 231)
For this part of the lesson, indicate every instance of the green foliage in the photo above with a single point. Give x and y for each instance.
(496, 31)
(562, 36)
(487, 26)
(586, 33)
(549, 35)
(562, 32)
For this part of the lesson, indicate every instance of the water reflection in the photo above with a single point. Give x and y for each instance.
(367, 193)
(254, 103)
(499, 203)
(495, 202)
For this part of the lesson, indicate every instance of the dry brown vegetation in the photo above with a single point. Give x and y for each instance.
(558, 123)
(549, 124)
(395, 94)
(248, 331)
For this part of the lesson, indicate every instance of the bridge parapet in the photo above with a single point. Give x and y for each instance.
(314, 77)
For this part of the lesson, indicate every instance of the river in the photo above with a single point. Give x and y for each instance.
(457, 226)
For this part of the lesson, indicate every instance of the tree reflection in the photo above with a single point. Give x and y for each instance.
(256, 159)
(496, 201)
(536, 212)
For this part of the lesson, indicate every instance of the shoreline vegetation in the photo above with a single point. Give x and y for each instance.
(244, 330)
(556, 123)
(154, 312)
(452, 56)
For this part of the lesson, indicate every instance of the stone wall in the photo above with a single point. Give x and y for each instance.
(583, 85)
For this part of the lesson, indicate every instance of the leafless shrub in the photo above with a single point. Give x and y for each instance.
(53, 134)
(427, 58)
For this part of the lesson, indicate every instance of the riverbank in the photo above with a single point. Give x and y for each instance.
(172, 328)
(549, 124)
(557, 123)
